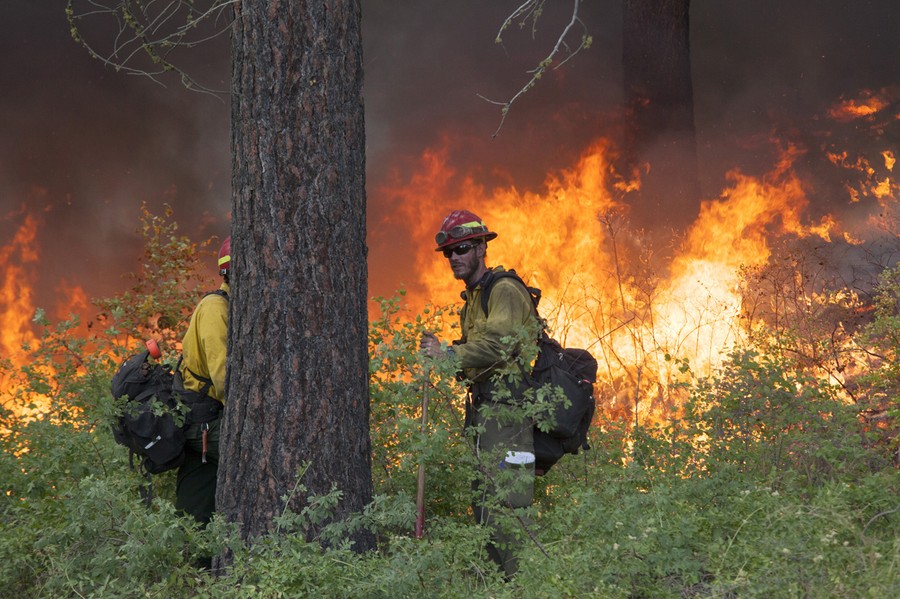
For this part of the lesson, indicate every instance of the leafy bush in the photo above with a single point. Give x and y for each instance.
(880, 386)
(400, 380)
(767, 485)
(763, 418)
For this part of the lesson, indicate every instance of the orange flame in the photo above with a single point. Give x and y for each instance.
(562, 221)
(873, 183)
(72, 300)
(867, 104)
(20, 258)
(568, 240)
(728, 234)
(16, 303)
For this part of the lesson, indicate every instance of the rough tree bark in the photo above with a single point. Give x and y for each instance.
(297, 369)
(660, 102)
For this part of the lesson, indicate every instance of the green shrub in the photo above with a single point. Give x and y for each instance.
(772, 422)
(768, 485)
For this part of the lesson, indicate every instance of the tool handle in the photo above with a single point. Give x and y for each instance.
(420, 490)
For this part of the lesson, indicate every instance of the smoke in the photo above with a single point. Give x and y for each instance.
(84, 145)
(765, 76)
(774, 69)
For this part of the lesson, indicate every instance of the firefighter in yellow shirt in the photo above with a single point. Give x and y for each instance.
(201, 376)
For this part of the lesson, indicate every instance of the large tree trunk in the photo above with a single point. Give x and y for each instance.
(297, 387)
(660, 138)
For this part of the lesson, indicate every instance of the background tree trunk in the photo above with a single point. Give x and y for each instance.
(660, 104)
(298, 367)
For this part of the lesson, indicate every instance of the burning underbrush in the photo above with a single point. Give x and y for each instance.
(755, 270)
(746, 413)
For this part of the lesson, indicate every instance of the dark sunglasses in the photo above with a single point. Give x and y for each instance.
(459, 231)
(460, 250)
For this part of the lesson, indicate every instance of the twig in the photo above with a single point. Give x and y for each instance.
(876, 516)
(533, 8)
(150, 29)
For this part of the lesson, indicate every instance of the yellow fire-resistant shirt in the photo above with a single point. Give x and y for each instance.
(205, 345)
(510, 315)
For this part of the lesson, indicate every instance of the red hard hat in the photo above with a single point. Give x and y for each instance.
(461, 225)
(225, 256)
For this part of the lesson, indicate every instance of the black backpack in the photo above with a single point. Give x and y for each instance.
(572, 370)
(150, 424)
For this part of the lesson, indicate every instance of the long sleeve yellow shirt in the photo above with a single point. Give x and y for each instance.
(205, 345)
(510, 315)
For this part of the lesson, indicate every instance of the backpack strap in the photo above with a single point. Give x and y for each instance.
(491, 278)
(219, 292)
(207, 383)
(487, 284)
(203, 407)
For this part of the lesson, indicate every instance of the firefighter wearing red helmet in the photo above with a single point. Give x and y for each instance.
(503, 435)
(460, 226)
(201, 386)
(224, 260)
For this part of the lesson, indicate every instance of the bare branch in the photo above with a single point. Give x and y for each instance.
(532, 9)
(150, 31)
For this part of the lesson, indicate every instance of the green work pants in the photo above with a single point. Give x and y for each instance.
(510, 485)
(195, 493)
